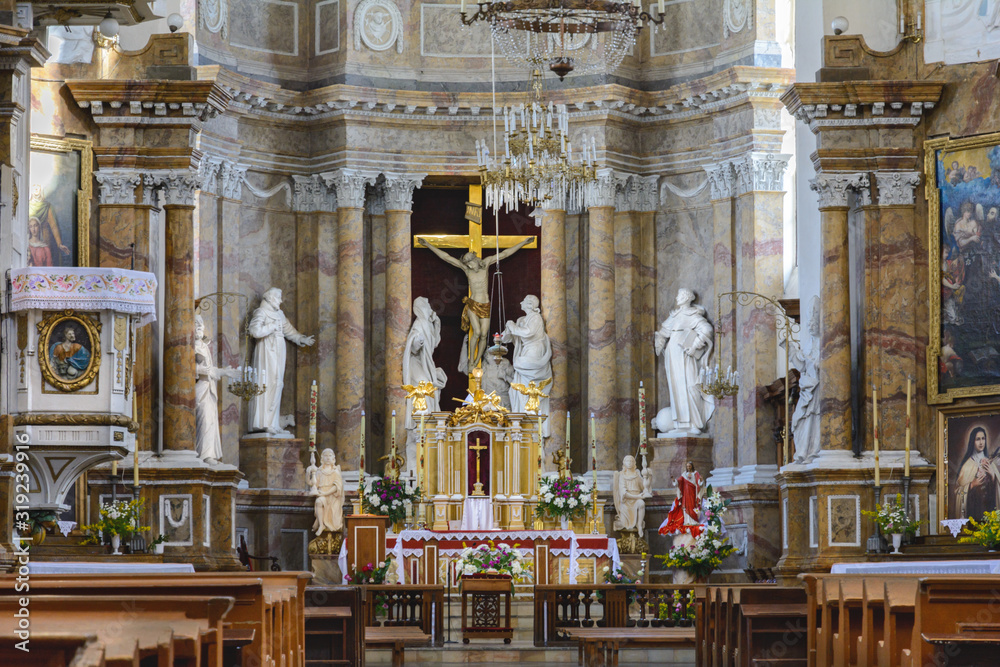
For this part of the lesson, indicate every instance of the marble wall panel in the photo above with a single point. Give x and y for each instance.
(685, 34)
(327, 23)
(576, 257)
(440, 39)
(268, 26)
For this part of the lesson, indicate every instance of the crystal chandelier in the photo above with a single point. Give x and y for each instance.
(566, 35)
(538, 158)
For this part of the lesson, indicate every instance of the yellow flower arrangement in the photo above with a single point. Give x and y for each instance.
(986, 533)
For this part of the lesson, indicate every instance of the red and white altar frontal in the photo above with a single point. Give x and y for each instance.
(554, 556)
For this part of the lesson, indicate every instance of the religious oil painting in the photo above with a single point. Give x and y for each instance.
(963, 192)
(69, 349)
(59, 192)
(969, 461)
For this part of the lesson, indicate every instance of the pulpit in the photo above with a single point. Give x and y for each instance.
(365, 540)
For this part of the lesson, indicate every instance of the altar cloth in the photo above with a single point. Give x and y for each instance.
(451, 543)
(84, 288)
(477, 513)
(920, 567)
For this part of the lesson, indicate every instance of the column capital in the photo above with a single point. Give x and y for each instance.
(375, 200)
(399, 190)
(208, 174)
(721, 179)
(232, 175)
(833, 188)
(350, 186)
(895, 188)
(760, 172)
(311, 194)
(601, 193)
(117, 186)
(178, 187)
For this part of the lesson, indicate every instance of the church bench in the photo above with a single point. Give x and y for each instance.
(53, 649)
(849, 622)
(250, 608)
(961, 615)
(600, 646)
(729, 622)
(333, 625)
(395, 638)
(772, 625)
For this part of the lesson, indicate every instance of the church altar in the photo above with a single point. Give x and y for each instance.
(427, 556)
(920, 567)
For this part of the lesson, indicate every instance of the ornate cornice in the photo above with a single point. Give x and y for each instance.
(350, 186)
(895, 188)
(861, 103)
(399, 190)
(834, 189)
(127, 102)
(117, 187)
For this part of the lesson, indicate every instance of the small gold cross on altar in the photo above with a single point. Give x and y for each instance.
(477, 489)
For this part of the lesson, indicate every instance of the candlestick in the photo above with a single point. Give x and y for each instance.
(593, 447)
(312, 416)
(566, 456)
(361, 462)
(135, 448)
(875, 427)
(906, 460)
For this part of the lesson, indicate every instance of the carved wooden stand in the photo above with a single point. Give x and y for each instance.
(485, 591)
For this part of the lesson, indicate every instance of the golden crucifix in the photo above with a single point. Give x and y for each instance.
(476, 314)
(477, 488)
(533, 392)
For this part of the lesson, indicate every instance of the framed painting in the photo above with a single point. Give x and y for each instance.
(69, 349)
(60, 185)
(963, 195)
(968, 480)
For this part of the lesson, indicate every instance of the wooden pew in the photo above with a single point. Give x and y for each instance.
(268, 603)
(396, 638)
(898, 610)
(772, 627)
(956, 621)
(872, 621)
(334, 623)
(53, 648)
(704, 621)
(601, 645)
(849, 617)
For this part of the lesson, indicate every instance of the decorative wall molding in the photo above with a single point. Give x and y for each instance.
(270, 192)
(399, 190)
(834, 188)
(379, 25)
(736, 16)
(896, 188)
(213, 16)
(117, 187)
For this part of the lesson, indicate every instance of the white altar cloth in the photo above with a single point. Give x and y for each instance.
(108, 568)
(84, 288)
(477, 513)
(920, 567)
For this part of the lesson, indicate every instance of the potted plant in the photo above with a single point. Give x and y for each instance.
(562, 499)
(985, 532)
(388, 497)
(117, 519)
(892, 518)
(700, 558)
(156, 546)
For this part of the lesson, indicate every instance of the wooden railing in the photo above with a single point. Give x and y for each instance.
(389, 605)
(558, 608)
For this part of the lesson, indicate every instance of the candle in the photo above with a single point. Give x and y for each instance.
(906, 460)
(420, 458)
(114, 468)
(312, 416)
(875, 427)
(642, 417)
(593, 447)
(361, 462)
(392, 448)
(463, 6)
(661, 7)
(135, 449)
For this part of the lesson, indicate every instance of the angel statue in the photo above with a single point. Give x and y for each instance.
(419, 394)
(534, 393)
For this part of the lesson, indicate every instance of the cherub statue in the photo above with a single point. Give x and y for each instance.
(534, 393)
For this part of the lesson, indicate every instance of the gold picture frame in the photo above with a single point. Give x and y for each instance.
(69, 349)
(52, 160)
(956, 425)
(963, 210)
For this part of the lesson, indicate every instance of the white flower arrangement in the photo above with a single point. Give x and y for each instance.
(490, 558)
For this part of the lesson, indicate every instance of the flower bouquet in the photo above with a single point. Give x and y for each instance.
(117, 519)
(985, 532)
(559, 498)
(710, 548)
(490, 559)
(388, 497)
(372, 574)
(892, 518)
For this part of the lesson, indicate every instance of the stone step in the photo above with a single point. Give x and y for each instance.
(497, 654)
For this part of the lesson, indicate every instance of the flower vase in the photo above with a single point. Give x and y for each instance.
(564, 522)
(158, 549)
(116, 541)
(683, 577)
(897, 538)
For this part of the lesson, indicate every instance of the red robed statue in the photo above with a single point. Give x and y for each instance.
(685, 513)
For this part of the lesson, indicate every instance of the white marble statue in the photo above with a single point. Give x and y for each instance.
(418, 366)
(532, 355)
(71, 44)
(805, 417)
(208, 443)
(685, 339)
(631, 487)
(270, 327)
(327, 484)
(497, 374)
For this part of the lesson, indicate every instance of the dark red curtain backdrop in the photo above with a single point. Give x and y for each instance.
(442, 211)
(484, 462)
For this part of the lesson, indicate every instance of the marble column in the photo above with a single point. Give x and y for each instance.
(721, 179)
(398, 297)
(350, 385)
(601, 333)
(553, 300)
(178, 311)
(835, 323)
